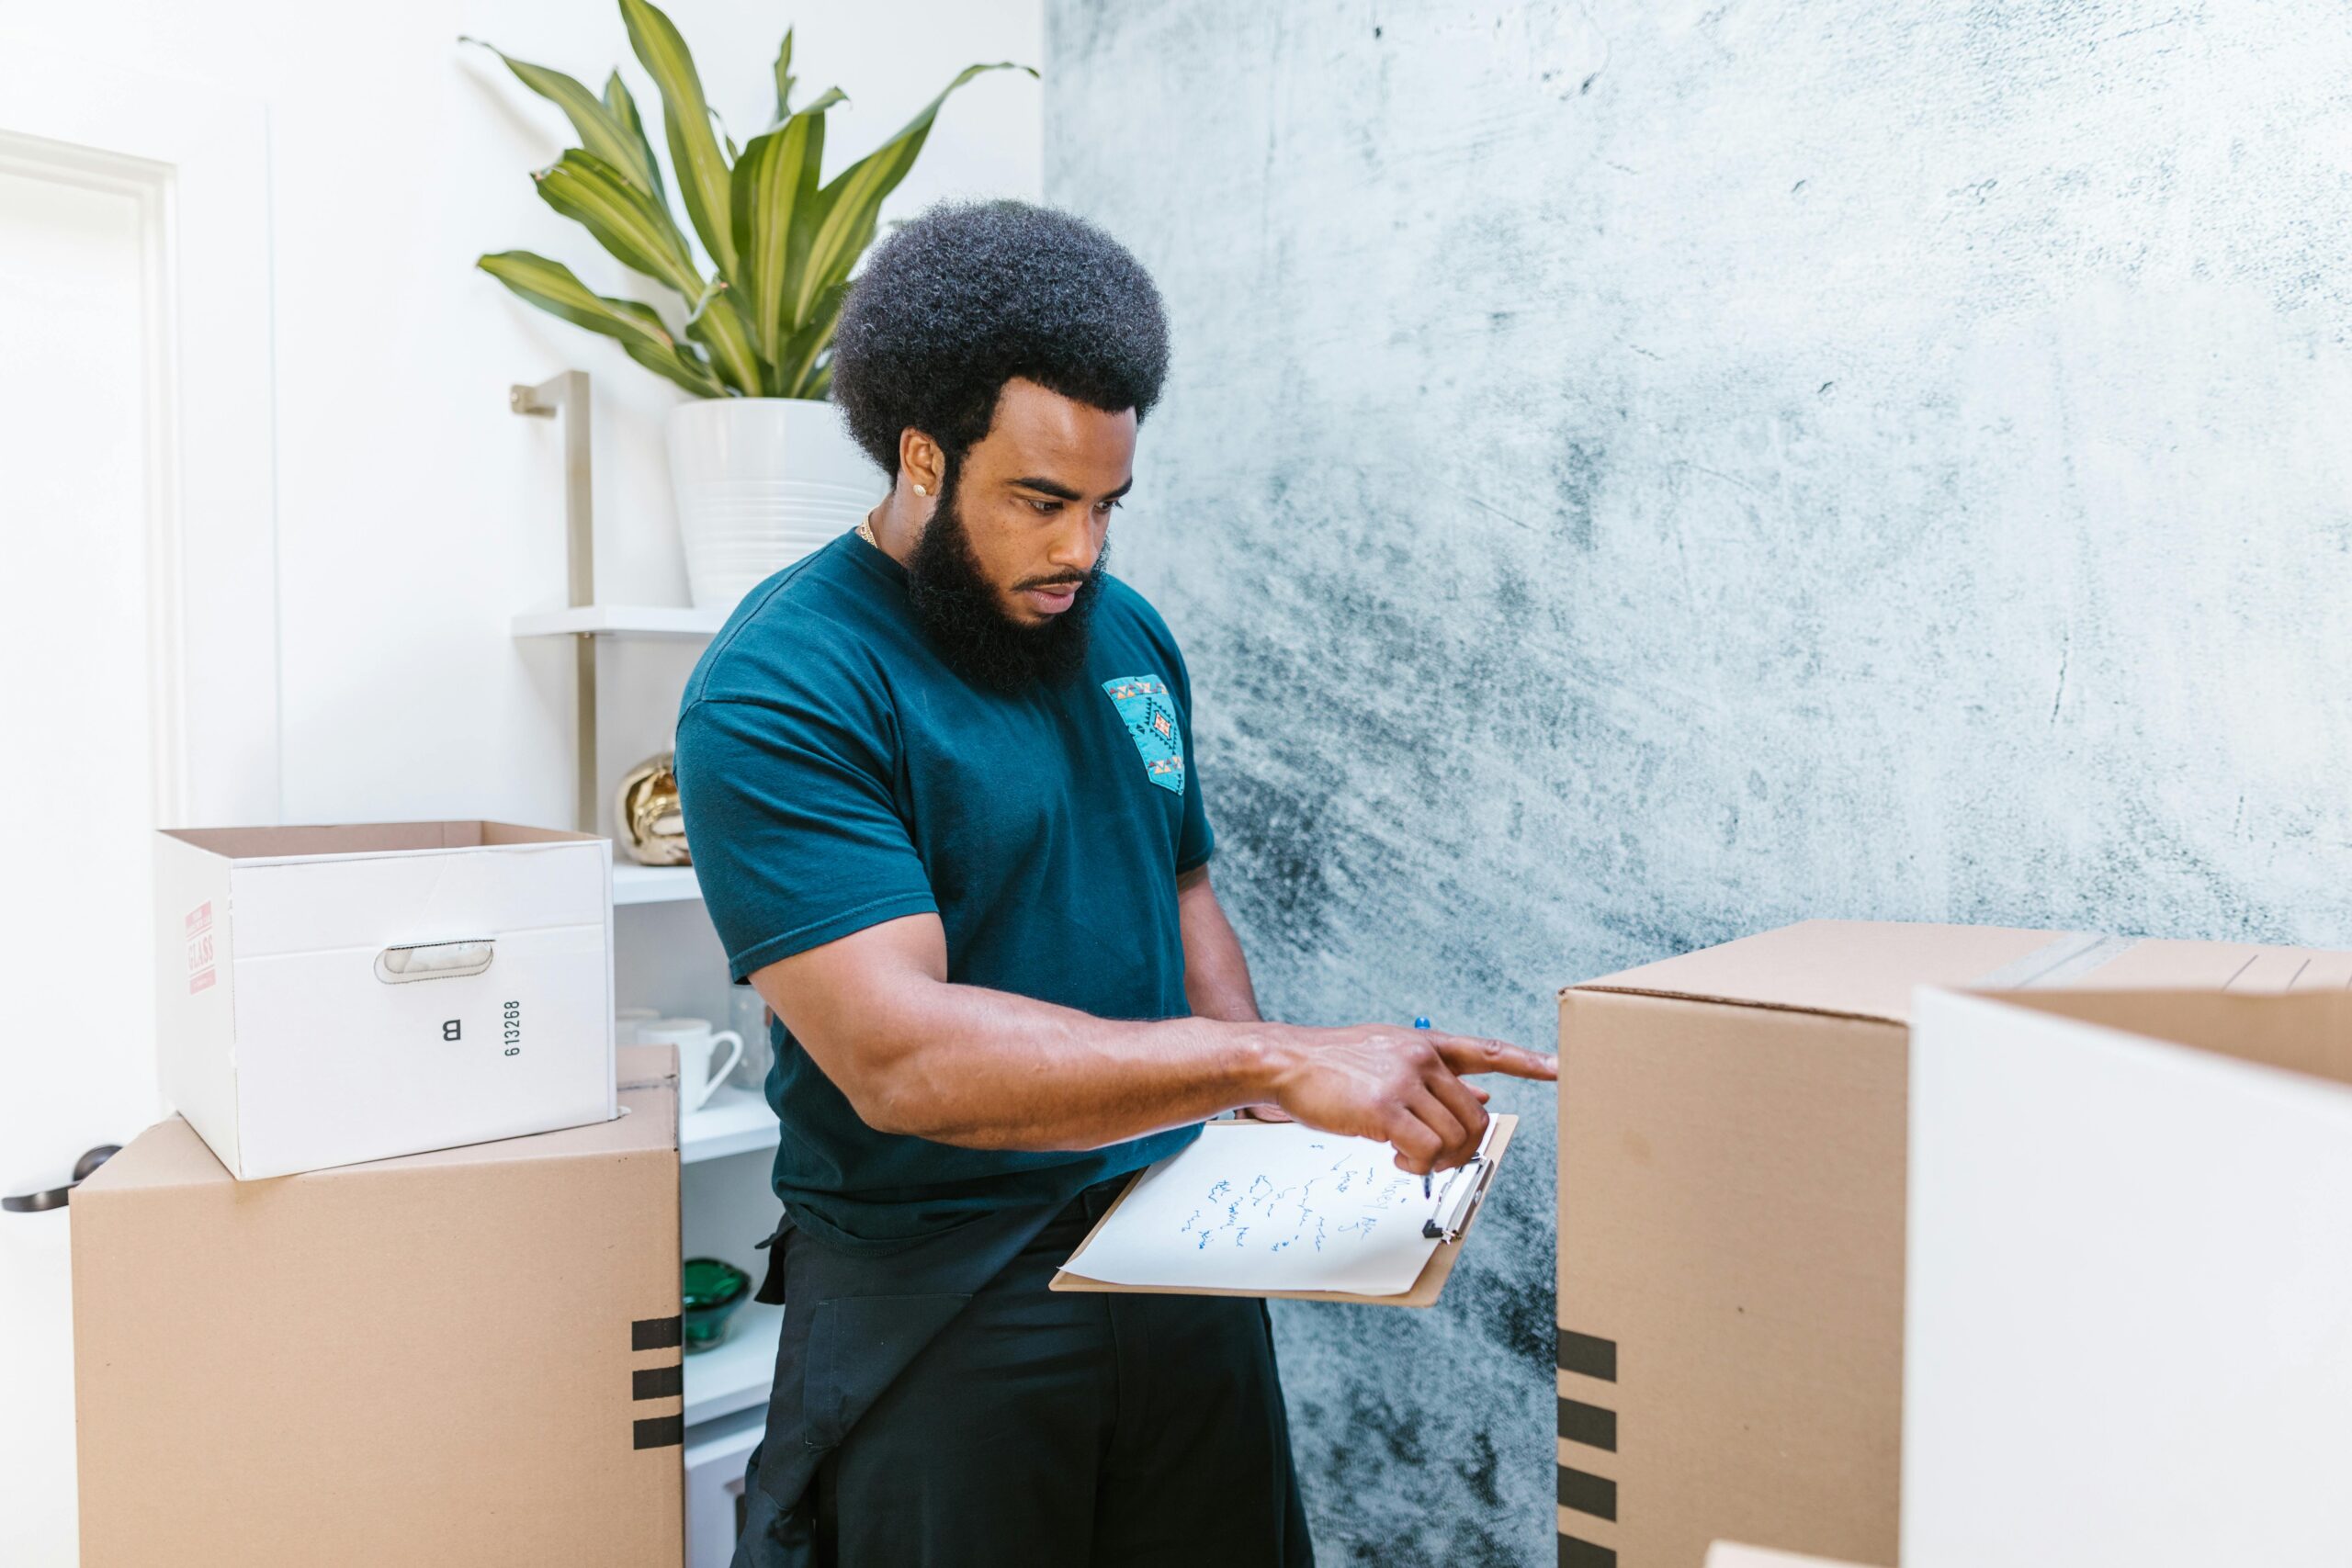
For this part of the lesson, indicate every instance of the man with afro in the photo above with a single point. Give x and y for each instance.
(939, 781)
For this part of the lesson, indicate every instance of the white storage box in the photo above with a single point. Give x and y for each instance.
(2129, 1335)
(328, 995)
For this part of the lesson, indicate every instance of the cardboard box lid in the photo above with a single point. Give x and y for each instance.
(2307, 1033)
(170, 1153)
(1868, 969)
(1851, 968)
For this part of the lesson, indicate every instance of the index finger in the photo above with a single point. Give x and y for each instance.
(1469, 1053)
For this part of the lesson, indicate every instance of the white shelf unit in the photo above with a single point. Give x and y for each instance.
(634, 884)
(738, 1373)
(621, 620)
(731, 1121)
(735, 1377)
(583, 618)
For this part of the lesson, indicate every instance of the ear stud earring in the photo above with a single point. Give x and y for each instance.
(919, 491)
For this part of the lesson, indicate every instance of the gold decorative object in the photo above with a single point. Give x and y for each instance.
(654, 828)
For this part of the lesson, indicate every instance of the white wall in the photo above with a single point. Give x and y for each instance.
(415, 514)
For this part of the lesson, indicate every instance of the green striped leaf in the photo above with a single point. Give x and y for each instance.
(602, 132)
(625, 220)
(842, 217)
(685, 120)
(773, 178)
(720, 326)
(783, 244)
(552, 287)
(792, 364)
(683, 364)
(784, 81)
(622, 108)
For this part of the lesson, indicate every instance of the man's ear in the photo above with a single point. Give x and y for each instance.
(920, 461)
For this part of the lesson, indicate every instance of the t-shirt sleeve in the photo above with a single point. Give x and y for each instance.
(791, 822)
(1195, 841)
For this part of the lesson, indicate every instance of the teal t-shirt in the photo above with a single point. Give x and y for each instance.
(836, 772)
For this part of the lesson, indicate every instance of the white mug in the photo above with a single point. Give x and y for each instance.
(696, 1046)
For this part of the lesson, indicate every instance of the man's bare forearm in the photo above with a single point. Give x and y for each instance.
(1217, 974)
(916, 1054)
(988, 1069)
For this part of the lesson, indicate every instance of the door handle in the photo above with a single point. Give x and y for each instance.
(435, 960)
(55, 1197)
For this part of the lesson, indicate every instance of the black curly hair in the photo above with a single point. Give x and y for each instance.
(968, 297)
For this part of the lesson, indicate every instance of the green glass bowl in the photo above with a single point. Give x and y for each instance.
(713, 1289)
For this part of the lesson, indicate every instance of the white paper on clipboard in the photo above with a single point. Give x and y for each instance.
(1280, 1207)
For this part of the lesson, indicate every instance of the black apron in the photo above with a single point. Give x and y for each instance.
(852, 1323)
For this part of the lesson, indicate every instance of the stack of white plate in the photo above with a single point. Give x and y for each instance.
(762, 482)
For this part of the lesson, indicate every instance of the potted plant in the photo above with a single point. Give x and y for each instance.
(761, 467)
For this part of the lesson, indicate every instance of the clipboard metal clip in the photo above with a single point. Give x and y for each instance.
(1463, 1186)
(1454, 1205)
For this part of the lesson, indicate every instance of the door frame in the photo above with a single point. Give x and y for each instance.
(197, 159)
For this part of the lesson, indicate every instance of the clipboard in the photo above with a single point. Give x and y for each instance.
(1426, 1286)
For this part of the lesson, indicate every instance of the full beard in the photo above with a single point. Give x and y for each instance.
(959, 611)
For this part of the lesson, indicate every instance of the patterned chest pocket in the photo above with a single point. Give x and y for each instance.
(1149, 714)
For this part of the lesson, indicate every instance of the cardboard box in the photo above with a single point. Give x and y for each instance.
(1732, 1150)
(468, 1356)
(331, 994)
(1731, 1554)
(2130, 1277)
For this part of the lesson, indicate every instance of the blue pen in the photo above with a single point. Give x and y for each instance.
(1423, 1023)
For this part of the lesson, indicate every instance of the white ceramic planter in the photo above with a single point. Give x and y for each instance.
(760, 483)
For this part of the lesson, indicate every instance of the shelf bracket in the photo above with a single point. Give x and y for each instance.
(568, 395)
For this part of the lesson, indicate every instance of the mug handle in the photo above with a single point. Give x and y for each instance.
(734, 1054)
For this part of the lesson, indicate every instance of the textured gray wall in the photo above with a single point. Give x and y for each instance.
(1644, 471)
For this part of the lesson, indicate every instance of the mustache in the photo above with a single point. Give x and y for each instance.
(1078, 582)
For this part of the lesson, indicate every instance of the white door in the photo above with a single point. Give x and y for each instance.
(114, 527)
(76, 752)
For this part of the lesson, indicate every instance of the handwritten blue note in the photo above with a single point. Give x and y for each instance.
(1255, 1207)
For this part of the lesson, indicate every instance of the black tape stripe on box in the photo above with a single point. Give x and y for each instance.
(661, 1432)
(1588, 1425)
(656, 1334)
(657, 1382)
(1594, 1494)
(1575, 1553)
(1587, 1357)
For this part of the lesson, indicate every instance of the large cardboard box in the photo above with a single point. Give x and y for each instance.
(2131, 1278)
(337, 994)
(1732, 1152)
(468, 1356)
(1731, 1554)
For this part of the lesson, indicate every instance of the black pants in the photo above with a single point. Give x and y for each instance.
(1063, 1428)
